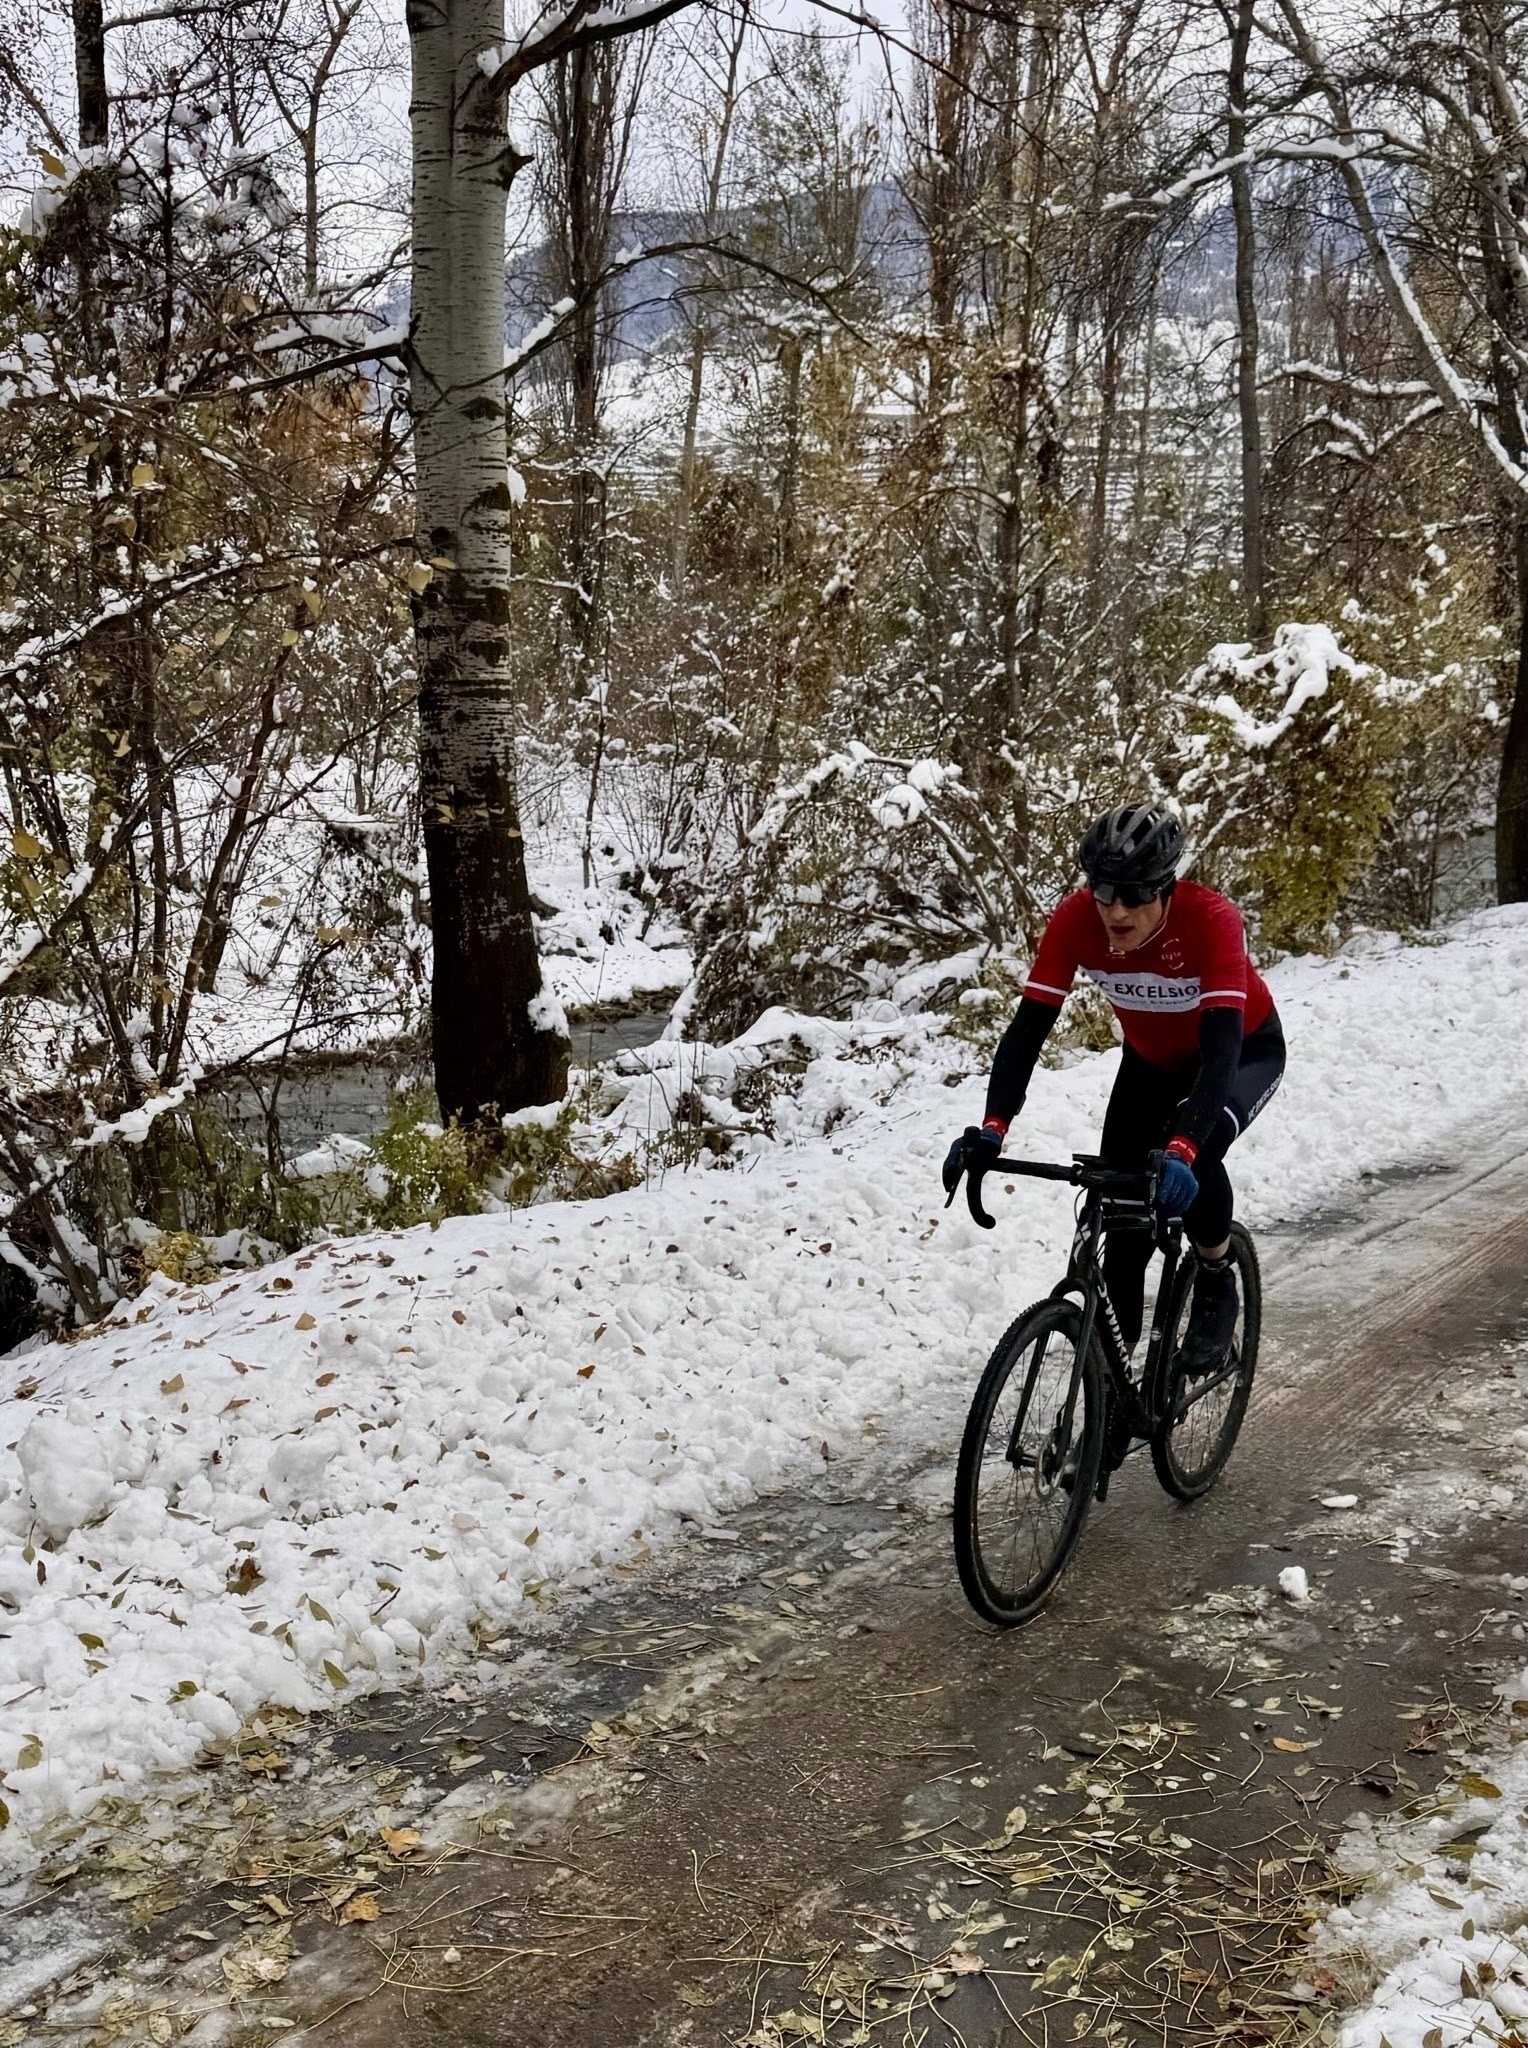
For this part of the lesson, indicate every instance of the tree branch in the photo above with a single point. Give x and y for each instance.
(558, 32)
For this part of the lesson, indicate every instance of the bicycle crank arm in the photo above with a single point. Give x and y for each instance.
(1228, 1371)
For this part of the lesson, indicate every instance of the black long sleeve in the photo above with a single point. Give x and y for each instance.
(1220, 1044)
(1015, 1058)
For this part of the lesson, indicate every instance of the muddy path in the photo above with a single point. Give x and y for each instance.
(785, 1788)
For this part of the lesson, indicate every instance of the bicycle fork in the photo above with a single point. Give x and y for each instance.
(1050, 1461)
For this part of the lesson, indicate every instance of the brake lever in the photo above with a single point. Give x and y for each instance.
(1160, 1224)
(974, 1200)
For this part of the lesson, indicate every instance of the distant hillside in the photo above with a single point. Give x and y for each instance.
(646, 301)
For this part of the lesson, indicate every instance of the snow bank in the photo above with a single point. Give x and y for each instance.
(360, 1463)
(1396, 1050)
(1442, 1919)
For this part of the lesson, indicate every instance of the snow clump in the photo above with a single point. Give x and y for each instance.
(66, 1472)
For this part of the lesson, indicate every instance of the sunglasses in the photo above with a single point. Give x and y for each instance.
(1130, 894)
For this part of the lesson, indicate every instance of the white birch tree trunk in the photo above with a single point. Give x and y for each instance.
(1254, 572)
(498, 1045)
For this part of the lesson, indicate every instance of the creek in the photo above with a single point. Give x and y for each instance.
(352, 1094)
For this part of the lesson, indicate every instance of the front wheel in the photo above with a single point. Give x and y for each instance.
(1028, 1463)
(1199, 1417)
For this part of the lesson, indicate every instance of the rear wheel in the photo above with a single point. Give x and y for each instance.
(1200, 1417)
(1028, 1463)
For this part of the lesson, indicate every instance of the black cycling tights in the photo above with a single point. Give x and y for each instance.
(1142, 1115)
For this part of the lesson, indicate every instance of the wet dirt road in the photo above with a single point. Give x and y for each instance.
(787, 1789)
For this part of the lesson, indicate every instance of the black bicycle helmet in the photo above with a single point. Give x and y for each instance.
(1137, 844)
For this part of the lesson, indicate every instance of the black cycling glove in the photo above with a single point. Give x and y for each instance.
(975, 1151)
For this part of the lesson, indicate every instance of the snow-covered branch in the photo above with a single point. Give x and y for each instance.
(559, 30)
(77, 884)
(1456, 392)
(1356, 387)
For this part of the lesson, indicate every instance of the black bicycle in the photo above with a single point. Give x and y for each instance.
(1058, 1406)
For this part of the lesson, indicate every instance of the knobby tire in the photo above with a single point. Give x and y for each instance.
(1016, 1523)
(1189, 1449)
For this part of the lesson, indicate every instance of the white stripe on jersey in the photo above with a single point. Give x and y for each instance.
(1146, 991)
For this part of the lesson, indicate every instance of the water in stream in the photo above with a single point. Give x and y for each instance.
(353, 1096)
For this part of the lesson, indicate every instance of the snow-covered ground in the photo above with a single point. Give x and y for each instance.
(329, 947)
(359, 1464)
(1442, 1919)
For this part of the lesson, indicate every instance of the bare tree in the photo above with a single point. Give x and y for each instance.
(1240, 25)
(716, 116)
(1430, 104)
(589, 103)
(299, 60)
(499, 1044)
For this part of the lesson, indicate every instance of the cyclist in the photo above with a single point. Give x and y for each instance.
(1203, 1052)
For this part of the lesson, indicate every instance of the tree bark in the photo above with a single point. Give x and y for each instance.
(310, 205)
(498, 1045)
(689, 459)
(700, 338)
(1021, 603)
(585, 94)
(90, 73)
(1103, 459)
(1247, 337)
(1512, 787)
(1496, 201)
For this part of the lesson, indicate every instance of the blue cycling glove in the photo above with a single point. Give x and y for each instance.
(1177, 1183)
(974, 1151)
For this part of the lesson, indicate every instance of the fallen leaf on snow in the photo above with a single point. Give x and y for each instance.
(266, 1763)
(1479, 1787)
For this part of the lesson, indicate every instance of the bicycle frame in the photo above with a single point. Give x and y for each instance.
(1114, 1200)
(1101, 1212)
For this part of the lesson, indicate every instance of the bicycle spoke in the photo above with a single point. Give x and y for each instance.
(1021, 1508)
(1206, 1414)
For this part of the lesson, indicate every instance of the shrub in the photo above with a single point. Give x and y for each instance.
(417, 1171)
(179, 1255)
(1283, 783)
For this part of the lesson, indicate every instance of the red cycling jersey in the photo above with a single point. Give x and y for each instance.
(1195, 960)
